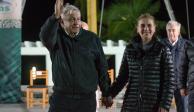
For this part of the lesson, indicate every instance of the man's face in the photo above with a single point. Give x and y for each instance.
(146, 28)
(172, 32)
(72, 23)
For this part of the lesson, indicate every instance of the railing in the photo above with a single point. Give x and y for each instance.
(36, 48)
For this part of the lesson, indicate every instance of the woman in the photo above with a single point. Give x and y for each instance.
(147, 67)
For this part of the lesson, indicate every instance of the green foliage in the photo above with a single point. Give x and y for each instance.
(119, 20)
(82, 4)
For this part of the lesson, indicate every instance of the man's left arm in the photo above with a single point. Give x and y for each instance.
(102, 67)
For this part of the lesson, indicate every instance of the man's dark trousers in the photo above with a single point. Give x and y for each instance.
(60, 102)
(191, 102)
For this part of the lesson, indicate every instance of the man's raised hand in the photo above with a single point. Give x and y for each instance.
(58, 8)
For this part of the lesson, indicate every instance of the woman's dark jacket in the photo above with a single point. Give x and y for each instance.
(150, 77)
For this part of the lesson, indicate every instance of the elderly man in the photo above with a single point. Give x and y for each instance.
(78, 61)
(177, 47)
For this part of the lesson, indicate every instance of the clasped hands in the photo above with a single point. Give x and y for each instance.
(107, 101)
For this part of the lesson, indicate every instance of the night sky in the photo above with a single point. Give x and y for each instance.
(179, 7)
(37, 11)
(34, 15)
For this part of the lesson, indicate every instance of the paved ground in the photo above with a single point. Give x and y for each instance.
(22, 108)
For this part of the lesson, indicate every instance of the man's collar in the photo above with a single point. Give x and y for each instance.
(76, 37)
(173, 43)
(72, 36)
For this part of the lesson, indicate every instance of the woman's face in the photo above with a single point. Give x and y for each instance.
(146, 28)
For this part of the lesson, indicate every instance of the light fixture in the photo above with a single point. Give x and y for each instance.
(34, 72)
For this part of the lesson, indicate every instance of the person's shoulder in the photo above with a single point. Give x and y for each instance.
(90, 36)
(191, 39)
(183, 39)
(129, 43)
(163, 40)
(161, 46)
(88, 33)
(191, 42)
(184, 43)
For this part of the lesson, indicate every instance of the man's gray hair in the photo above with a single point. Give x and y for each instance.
(173, 22)
(69, 9)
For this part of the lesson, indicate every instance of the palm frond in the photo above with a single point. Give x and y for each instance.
(120, 19)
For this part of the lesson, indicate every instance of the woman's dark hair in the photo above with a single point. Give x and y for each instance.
(147, 16)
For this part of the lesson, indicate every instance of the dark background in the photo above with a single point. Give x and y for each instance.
(37, 11)
(27, 63)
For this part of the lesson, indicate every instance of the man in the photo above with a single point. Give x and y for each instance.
(78, 61)
(176, 45)
(186, 73)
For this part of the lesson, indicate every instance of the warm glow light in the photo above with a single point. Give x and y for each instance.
(34, 72)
